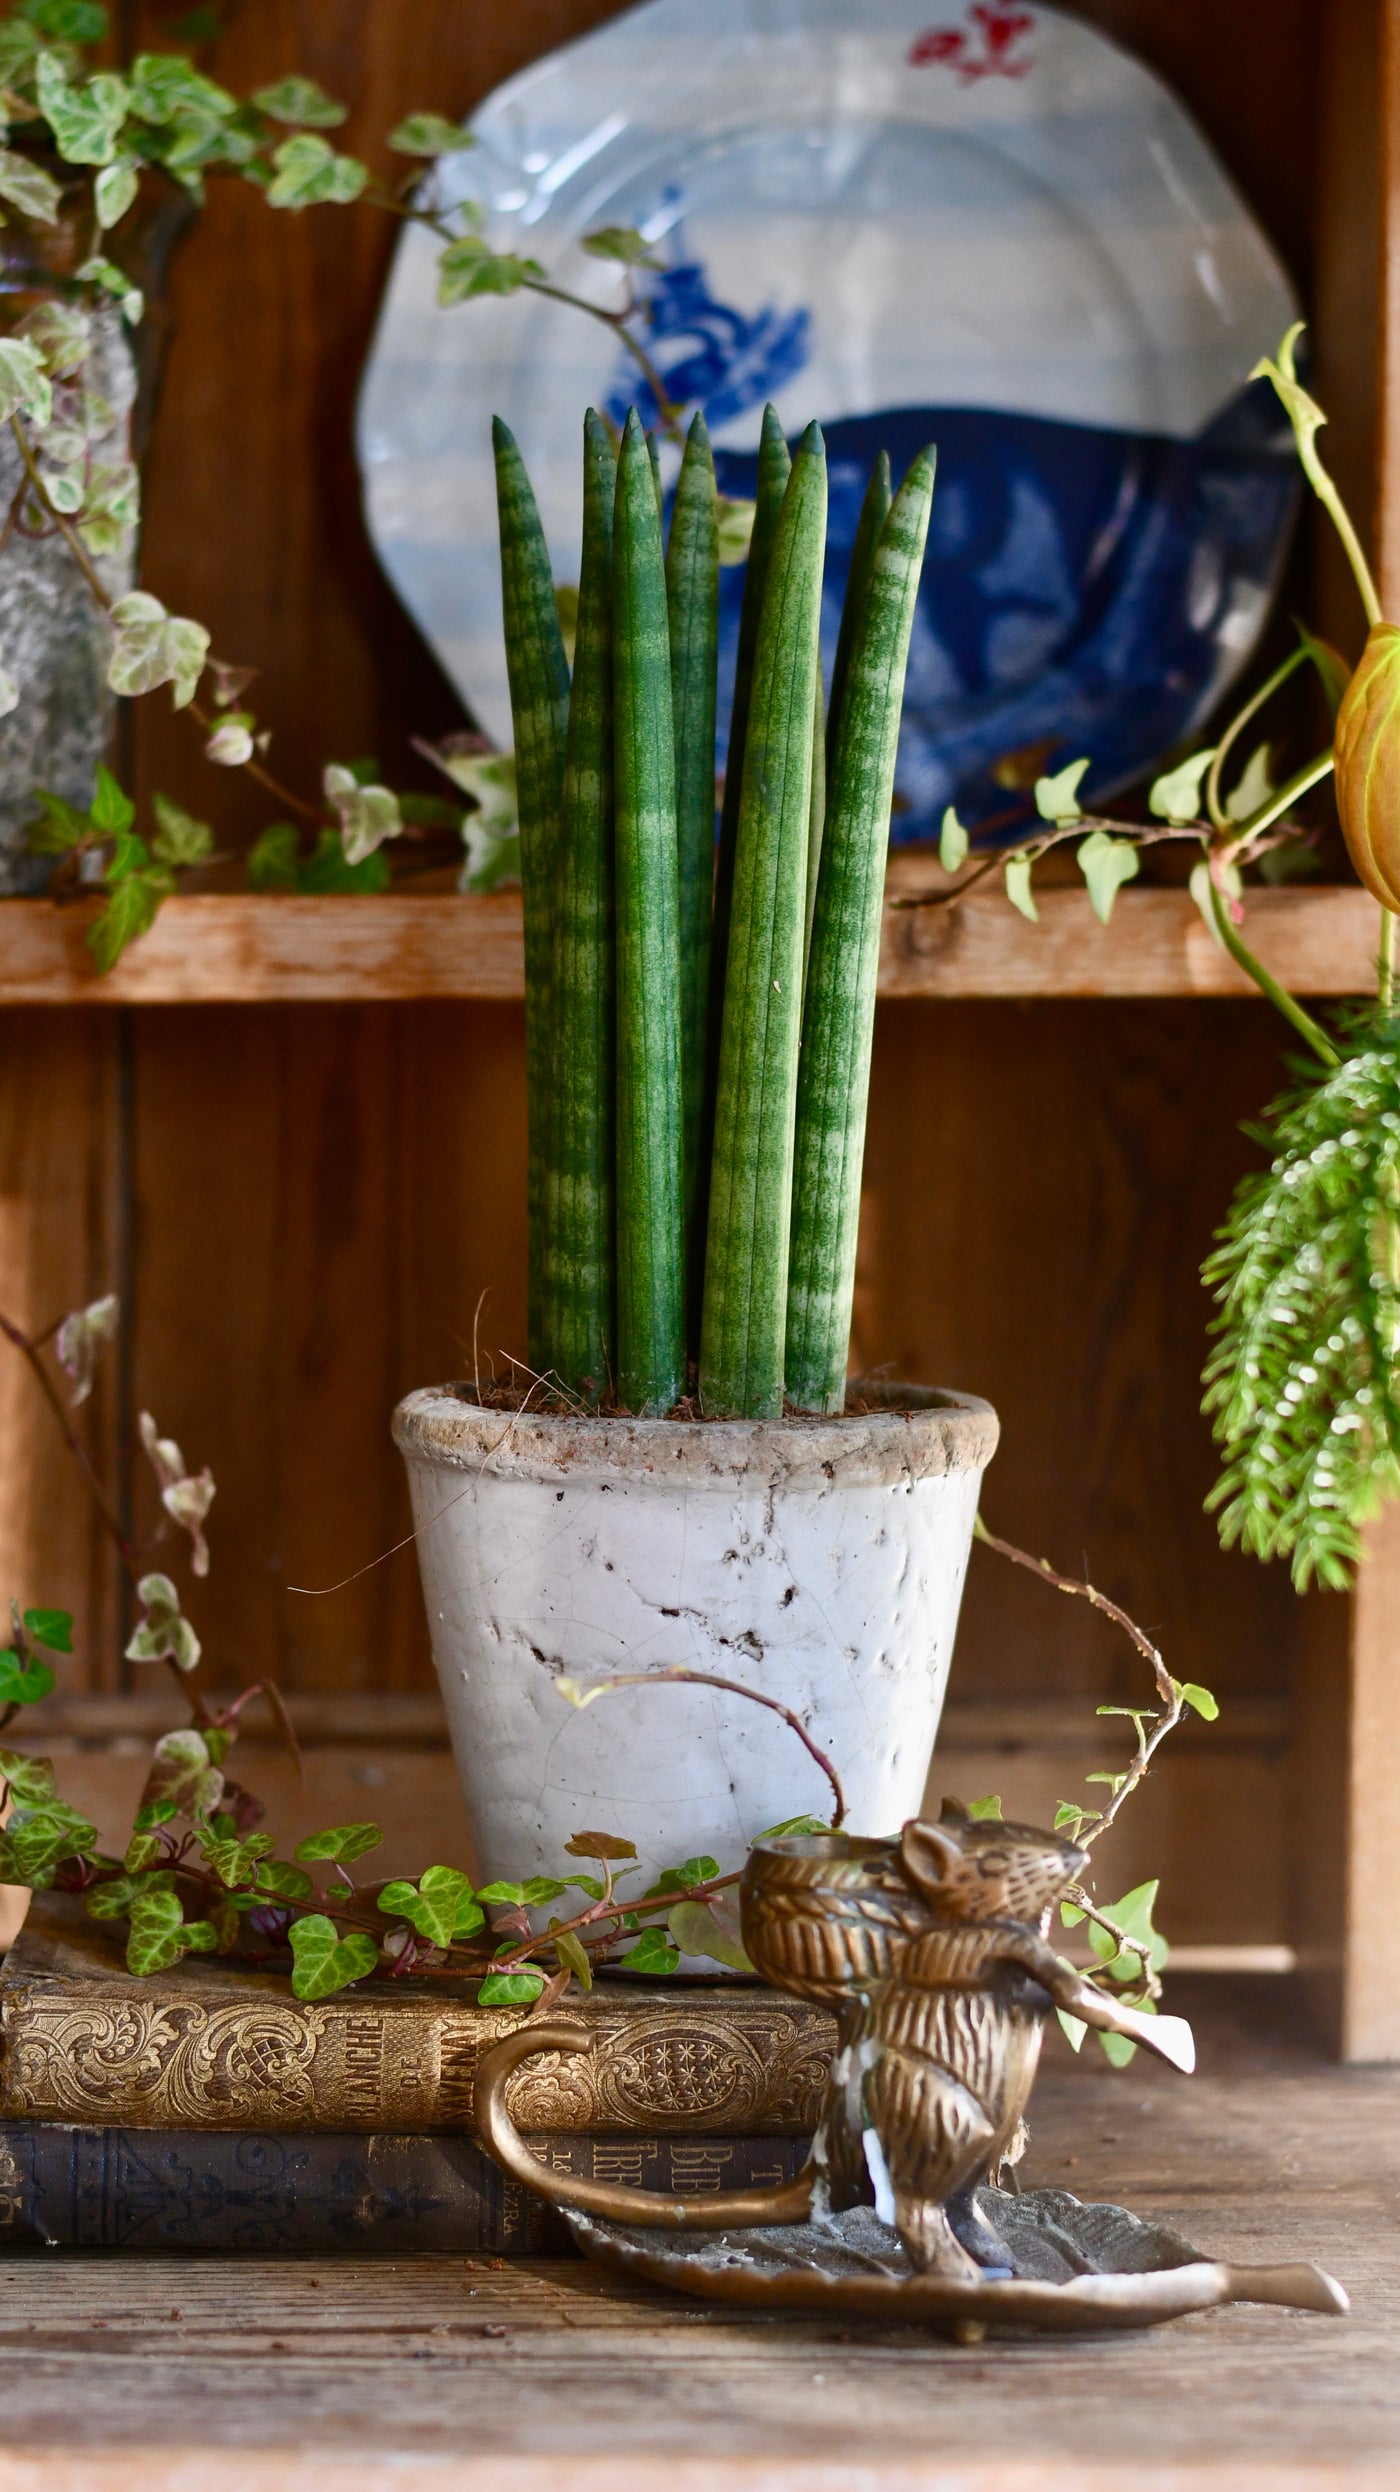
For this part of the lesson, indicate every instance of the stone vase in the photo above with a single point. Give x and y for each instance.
(817, 1561)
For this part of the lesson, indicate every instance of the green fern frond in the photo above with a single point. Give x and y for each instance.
(1302, 1384)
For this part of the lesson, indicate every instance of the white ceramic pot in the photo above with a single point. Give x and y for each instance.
(820, 1561)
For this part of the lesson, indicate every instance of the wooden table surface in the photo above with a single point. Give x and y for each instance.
(260, 2374)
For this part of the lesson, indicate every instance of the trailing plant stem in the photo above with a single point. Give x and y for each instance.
(1277, 995)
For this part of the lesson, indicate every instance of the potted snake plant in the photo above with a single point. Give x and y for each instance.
(688, 1485)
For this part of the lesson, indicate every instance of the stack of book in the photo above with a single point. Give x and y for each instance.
(206, 2108)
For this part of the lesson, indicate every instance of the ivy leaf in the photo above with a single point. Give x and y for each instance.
(38, 1839)
(344, 1843)
(84, 119)
(572, 1955)
(988, 1808)
(113, 192)
(51, 1628)
(441, 1908)
(165, 87)
(368, 815)
(1106, 864)
(1057, 797)
(283, 1878)
(130, 912)
(509, 1989)
(429, 134)
(1253, 788)
(953, 842)
(793, 1825)
(651, 1954)
(323, 1962)
(302, 102)
(185, 1495)
(1176, 795)
(114, 281)
(184, 1776)
(735, 528)
(68, 21)
(80, 1337)
(235, 1862)
(308, 172)
(468, 267)
(329, 869)
(111, 1898)
(163, 1633)
(26, 186)
(153, 1939)
(180, 840)
(24, 1682)
(701, 1930)
(61, 826)
(590, 1846)
(30, 1778)
(621, 242)
(25, 387)
(1018, 887)
(274, 858)
(153, 647)
(1201, 1700)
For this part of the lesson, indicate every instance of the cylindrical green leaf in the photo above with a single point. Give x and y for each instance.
(539, 700)
(839, 1019)
(874, 511)
(742, 1335)
(650, 1234)
(692, 593)
(580, 1275)
(774, 467)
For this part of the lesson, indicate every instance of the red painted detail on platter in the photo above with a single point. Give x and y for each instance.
(989, 46)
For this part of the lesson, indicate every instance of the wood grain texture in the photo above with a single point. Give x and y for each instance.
(237, 948)
(537, 2377)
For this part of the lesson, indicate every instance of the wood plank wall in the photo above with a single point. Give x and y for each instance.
(307, 1203)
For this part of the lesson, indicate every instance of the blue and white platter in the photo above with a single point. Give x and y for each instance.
(983, 226)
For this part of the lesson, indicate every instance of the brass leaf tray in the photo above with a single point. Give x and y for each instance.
(1078, 2267)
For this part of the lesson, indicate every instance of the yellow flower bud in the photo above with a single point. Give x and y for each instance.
(1368, 765)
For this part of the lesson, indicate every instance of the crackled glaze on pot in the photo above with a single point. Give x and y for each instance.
(818, 1561)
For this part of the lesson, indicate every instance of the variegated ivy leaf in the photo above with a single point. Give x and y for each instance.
(953, 842)
(621, 242)
(25, 387)
(231, 744)
(165, 87)
(152, 647)
(163, 1634)
(26, 186)
(180, 839)
(1018, 887)
(1176, 796)
(469, 267)
(301, 102)
(1253, 789)
(84, 118)
(63, 335)
(429, 134)
(80, 1337)
(184, 1775)
(185, 1495)
(113, 192)
(308, 171)
(1106, 864)
(1057, 797)
(368, 815)
(736, 518)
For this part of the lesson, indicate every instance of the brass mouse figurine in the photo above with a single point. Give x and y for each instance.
(932, 1950)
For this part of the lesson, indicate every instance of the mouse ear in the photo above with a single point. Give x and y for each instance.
(954, 1813)
(929, 1854)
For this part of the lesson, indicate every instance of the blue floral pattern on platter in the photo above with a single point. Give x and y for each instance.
(973, 222)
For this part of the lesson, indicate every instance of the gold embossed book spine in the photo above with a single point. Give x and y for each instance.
(82, 2040)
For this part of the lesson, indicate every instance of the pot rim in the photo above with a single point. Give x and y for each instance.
(905, 1432)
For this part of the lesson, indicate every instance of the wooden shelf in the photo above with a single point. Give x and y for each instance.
(238, 948)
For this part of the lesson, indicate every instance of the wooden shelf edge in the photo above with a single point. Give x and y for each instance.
(244, 948)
